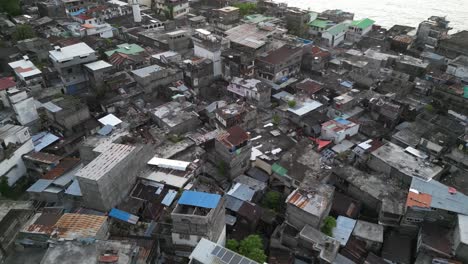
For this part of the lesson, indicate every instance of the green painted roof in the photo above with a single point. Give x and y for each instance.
(338, 28)
(125, 48)
(363, 23)
(319, 23)
(278, 169)
(466, 92)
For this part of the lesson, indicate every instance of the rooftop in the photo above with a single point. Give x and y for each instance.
(279, 56)
(126, 48)
(147, 71)
(69, 52)
(339, 124)
(209, 252)
(233, 137)
(174, 113)
(327, 246)
(72, 226)
(98, 65)
(106, 161)
(252, 35)
(199, 199)
(304, 107)
(24, 68)
(406, 163)
(425, 194)
(314, 202)
(6, 83)
(363, 23)
(369, 231)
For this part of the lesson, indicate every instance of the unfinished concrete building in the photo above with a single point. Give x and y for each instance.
(197, 215)
(233, 150)
(106, 180)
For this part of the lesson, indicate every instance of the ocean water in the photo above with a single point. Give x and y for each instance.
(390, 12)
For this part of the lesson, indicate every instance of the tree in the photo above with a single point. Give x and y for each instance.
(252, 247)
(11, 7)
(23, 32)
(272, 200)
(232, 244)
(246, 8)
(276, 119)
(328, 224)
(4, 187)
(429, 108)
(292, 103)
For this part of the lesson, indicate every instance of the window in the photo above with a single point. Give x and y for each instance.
(184, 236)
(69, 70)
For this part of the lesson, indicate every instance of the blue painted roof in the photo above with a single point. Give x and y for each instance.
(40, 185)
(105, 130)
(124, 216)
(74, 189)
(43, 140)
(81, 11)
(169, 198)
(342, 121)
(199, 199)
(347, 84)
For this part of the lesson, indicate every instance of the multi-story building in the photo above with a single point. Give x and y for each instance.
(337, 15)
(197, 215)
(297, 21)
(358, 29)
(15, 142)
(280, 64)
(207, 45)
(66, 114)
(172, 9)
(177, 40)
(338, 129)
(232, 152)
(69, 62)
(216, 253)
(106, 180)
(252, 90)
(431, 31)
(23, 105)
(154, 77)
(26, 72)
(226, 18)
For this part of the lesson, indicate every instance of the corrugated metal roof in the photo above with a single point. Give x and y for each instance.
(52, 107)
(123, 216)
(200, 199)
(43, 157)
(278, 169)
(242, 192)
(169, 198)
(64, 166)
(39, 186)
(344, 228)
(110, 119)
(72, 226)
(105, 130)
(233, 204)
(74, 189)
(41, 140)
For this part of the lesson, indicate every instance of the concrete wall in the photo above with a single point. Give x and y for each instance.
(13, 167)
(214, 56)
(26, 111)
(299, 218)
(236, 162)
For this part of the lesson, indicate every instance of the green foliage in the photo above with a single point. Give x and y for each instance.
(429, 108)
(232, 244)
(276, 119)
(174, 138)
(292, 103)
(11, 7)
(328, 224)
(5, 190)
(222, 168)
(23, 32)
(252, 247)
(246, 8)
(272, 200)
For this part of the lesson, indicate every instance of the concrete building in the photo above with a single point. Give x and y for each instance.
(431, 31)
(336, 15)
(96, 73)
(23, 105)
(172, 9)
(66, 114)
(226, 18)
(15, 142)
(358, 29)
(460, 238)
(253, 90)
(153, 78)
(176, 117)
(459, 67)
(69, 61)
(335, 35)
(280, 64)
(371, 234)
(6, 84)
(232, 152)
(106, 180)
(324, 247)
(454, 45)
(177, 40)
(339, 129)
(197, 215)
(198, 74)
(26, 72)
(309, 207)
(236, 114)
(207, 45)
(403, 164)
(433, 202)
(296, 21)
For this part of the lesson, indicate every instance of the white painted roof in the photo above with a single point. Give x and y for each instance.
(303, 108)
(110, 119)
(98, 65)
(70, 52)
(166, 178)
(24, 68)
(169, 163)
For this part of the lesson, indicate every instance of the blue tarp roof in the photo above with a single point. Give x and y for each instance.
(81, 11)
(124, 216)
(39, 186)
(169, 198)
(105, 130)
(74, 189)
(43, 139)
(199, 199)
(347, 84)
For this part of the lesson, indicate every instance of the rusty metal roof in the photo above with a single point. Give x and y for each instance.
(72, 226)
(65, 165)
(43, 157)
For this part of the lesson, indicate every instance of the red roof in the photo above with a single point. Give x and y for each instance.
(234, 136)
(6, 83)
(318, 52)
(64, 166)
